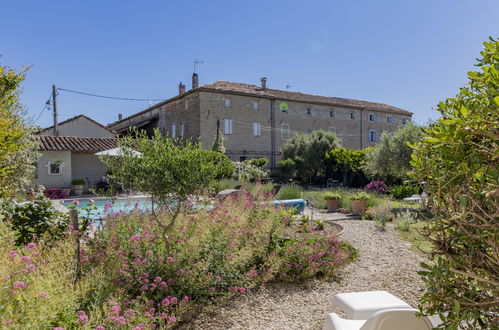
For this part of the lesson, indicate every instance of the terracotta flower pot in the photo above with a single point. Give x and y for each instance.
(332, 205)
(358, 206)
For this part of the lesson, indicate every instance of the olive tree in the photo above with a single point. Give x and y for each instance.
(308, 152)
(458, 159)
(169, 170)
(390, 159)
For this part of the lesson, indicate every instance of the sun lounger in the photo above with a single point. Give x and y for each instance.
(388, 319)
(360, 305)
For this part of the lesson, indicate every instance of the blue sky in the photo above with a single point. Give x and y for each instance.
(409, 54)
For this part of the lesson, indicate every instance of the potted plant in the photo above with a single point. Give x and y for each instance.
(359, 202)
(332, 200)
(77, 186)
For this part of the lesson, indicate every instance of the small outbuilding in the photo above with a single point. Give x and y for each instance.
(68, 153)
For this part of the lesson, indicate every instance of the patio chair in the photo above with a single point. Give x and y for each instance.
(388, 319)
(64, 193)
(53, 193)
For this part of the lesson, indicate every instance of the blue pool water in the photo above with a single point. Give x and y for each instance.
(107, 207)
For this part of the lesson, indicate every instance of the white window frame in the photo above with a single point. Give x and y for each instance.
(227, 103)
(228, 126)
(181, 129)
(308, 112)
(174, 131)
(373, 117)
(390, 119)
(49, 167)
(372, 136)
(405, 120)
(255, 105)
(352, 115)
(331, 113)
(257, 129)
(285, 131)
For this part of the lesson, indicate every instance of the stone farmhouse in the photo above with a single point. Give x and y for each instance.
(256, 121)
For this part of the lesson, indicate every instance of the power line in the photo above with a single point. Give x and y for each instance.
(107, 97)
(44, 107)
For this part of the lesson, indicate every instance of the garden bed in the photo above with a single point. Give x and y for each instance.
(385, 263)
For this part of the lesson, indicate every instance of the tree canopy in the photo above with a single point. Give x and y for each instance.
(308, 152)
(458, 159)
(390, 159)
(17, 147)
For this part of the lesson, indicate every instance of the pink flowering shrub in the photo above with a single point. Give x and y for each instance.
(377, 186)
(130, 279)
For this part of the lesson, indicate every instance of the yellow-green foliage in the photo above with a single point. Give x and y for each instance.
(17, 149)
(49, 298)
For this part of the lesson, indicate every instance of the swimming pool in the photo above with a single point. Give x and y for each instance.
(106, 206)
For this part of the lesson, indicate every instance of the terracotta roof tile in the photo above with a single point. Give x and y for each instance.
(225, 86)
(75, 143)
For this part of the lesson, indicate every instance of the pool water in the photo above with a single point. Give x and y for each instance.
(105, 207)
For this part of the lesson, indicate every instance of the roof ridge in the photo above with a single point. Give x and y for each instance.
(259, 89)
(81, 116)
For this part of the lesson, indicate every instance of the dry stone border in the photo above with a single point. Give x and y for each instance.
(386, 263)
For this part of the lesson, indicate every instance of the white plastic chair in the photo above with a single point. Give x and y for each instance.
(388, 319)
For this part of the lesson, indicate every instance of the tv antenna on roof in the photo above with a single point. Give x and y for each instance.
(196, 62)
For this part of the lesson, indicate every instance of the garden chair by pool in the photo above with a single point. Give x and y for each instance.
(64, 193)
(387, 319)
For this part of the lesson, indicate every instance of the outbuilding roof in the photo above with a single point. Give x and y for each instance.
(75, 143)
(80, 116)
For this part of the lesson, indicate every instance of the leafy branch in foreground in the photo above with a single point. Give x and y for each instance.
(458, 158)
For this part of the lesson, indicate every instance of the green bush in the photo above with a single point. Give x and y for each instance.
(404, 219)
(404, 190)
(246, 172)
(32, 219)
(286, 169)
(290, 191)
(360, 196)
(329, 195)
(259, 162)
(78, 182)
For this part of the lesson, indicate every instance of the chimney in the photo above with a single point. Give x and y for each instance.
(195, 80)
(120, 116)
(263, 80)
(181, 88)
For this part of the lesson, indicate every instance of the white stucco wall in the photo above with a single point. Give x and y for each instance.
(88, 167)
(54, 181)
(80, 127)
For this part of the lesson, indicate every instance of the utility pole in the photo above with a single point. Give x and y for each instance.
(54, 101)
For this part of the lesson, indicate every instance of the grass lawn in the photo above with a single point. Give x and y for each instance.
(419, 243)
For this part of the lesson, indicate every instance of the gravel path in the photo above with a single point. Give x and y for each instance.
(385, 263)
